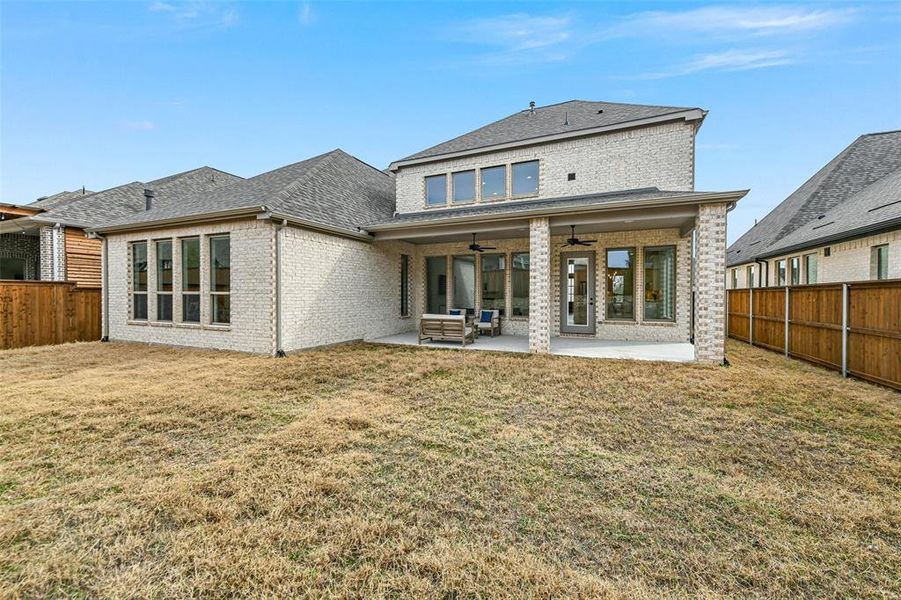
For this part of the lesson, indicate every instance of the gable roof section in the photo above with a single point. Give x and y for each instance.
(333, 190)
(531, 126)
(128, 199)
(840, 200)
(58, 199)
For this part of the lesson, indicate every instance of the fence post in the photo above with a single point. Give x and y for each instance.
(844, 330)
(786, 320)
(751, 316)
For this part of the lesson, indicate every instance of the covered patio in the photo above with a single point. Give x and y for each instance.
(563, 346)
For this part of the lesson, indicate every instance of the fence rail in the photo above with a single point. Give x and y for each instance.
(852, 327)
(38, 313)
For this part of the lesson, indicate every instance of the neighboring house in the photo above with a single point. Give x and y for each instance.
(843, 224)
(45, 240)
(330, 249)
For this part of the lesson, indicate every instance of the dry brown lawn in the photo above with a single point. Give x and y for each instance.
(373, 471)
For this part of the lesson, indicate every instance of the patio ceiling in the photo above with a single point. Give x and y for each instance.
(681, 217)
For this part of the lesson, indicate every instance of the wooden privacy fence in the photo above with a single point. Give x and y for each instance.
(854, 327)
(37, 313)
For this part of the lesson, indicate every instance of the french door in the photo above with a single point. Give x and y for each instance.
(577, 314)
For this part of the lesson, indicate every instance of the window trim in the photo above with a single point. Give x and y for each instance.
(159, 291)
(513, 166)
(404, 285)
(183, 273)
(644, 252)
(453, 186)
(134, 292)
(213, 293)
(607, 251)
(506, 194)
(426, 190)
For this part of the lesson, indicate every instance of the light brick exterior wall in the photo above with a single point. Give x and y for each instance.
(639, 329)
(848, 261)
(710, 322)
(337, 289)
(252, 327)
(657, 156)
(23, 247)
(53, 253)
(540, 273)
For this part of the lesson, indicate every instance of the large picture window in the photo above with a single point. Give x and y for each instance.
(464, 184)
(220, 279)
(190, 280)
(494, 182)
(525, 178)
(436, 190)
(621, 284)
(465, 282)
(519, 274)
(164, 280)
(494, 278)
(139, 281)
(660, 283)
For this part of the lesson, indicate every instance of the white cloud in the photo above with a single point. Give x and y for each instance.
(517, 38)
(197, 13)
(729, 60)
(143, 125)
(730, 20)
(305, 15)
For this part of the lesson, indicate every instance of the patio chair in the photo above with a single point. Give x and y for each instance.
(490, 321)
(445, 328)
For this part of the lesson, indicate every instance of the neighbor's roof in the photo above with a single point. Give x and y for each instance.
(333, 190)
(547, 121)
(48, 202)
(640, 197)
(128, 199)
(856, 192)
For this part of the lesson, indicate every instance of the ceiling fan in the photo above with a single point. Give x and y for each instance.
(478, 248)
(574, 241)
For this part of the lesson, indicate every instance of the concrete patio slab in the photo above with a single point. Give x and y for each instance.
(564, 346)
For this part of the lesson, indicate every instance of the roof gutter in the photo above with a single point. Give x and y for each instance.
(357, 234)
(187, 220)
(732, 197)
(836, 237)
(693, 114)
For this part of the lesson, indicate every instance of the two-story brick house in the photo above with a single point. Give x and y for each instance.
(576, 219)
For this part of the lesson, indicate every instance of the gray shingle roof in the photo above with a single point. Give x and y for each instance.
(554, 119)
(837, 200)
(48, 202)
(333, 189)
(512, 208)
(128, 199)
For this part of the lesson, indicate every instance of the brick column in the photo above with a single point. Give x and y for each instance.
(710, 302)
(53, 253)
(540, 285)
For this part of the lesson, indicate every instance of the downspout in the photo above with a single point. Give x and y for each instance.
(104, 282)
(279, 352)
(760, 278)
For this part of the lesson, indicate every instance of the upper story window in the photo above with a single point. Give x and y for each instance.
(525, 178)
(494, 182)
(436, 190)
(464, 184)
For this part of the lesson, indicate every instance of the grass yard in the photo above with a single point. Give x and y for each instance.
(370, 471)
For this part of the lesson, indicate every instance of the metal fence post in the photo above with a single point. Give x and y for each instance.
(844, 330)
(751, 316)
(786, 320)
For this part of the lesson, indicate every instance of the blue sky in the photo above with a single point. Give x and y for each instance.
(100, 94)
